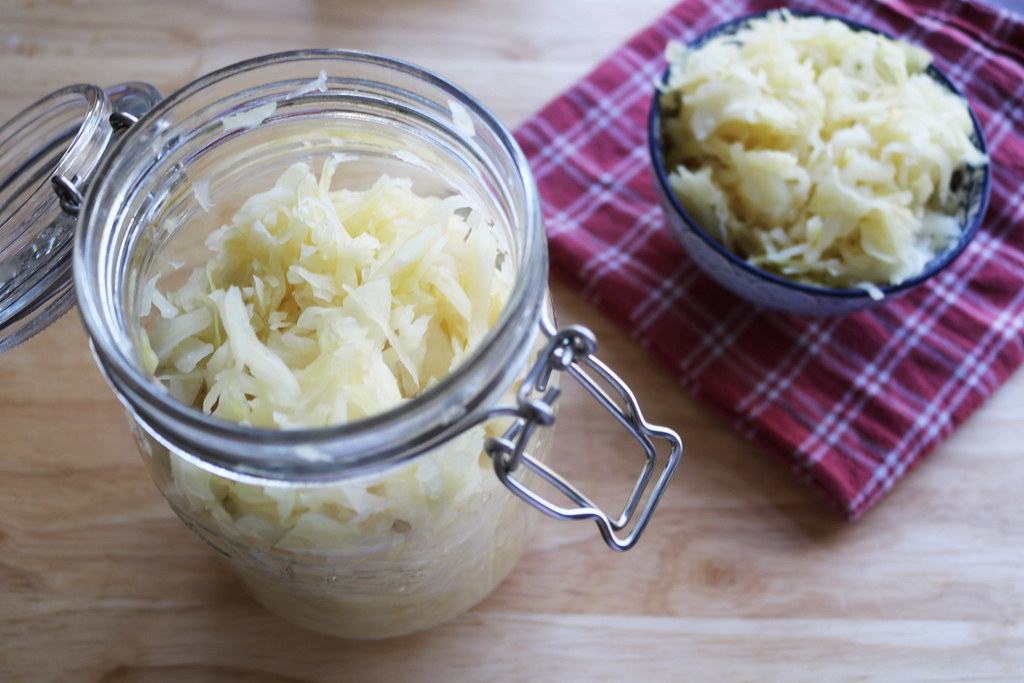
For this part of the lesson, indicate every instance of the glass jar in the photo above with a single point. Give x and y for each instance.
(394, 522)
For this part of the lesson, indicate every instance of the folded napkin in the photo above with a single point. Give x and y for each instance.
(848, 403)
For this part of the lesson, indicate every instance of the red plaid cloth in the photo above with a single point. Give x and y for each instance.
(849, 403)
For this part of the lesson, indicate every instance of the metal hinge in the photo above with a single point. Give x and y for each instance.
(571, 350)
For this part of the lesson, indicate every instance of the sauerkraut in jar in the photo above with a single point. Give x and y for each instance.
(376, 556)
(318, 282)
(321, 305)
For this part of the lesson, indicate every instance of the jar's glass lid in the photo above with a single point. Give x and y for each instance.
(48, 154)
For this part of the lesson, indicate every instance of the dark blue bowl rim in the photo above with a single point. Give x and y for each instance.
(935, 266)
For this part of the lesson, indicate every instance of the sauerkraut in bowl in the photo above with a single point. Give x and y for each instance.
(813, 164)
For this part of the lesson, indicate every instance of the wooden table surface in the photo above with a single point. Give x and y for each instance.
(744, 573)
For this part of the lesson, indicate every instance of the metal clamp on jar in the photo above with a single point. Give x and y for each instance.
(372, 527)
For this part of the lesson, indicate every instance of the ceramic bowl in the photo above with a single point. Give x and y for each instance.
(776, 292)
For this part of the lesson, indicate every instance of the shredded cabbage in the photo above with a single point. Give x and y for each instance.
(321, 306)
(249, 118)
(462, 119)
(319, 84)
(816, 152)
(201, 191)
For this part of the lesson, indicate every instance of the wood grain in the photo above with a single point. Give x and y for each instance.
(743, 575)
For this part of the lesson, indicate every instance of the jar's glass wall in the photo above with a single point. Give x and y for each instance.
(391, 523)
(378, 555)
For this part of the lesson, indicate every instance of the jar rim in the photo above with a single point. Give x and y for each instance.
(304, 453)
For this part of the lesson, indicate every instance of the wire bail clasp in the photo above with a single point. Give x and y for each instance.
(68, 193)
(571, 350)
